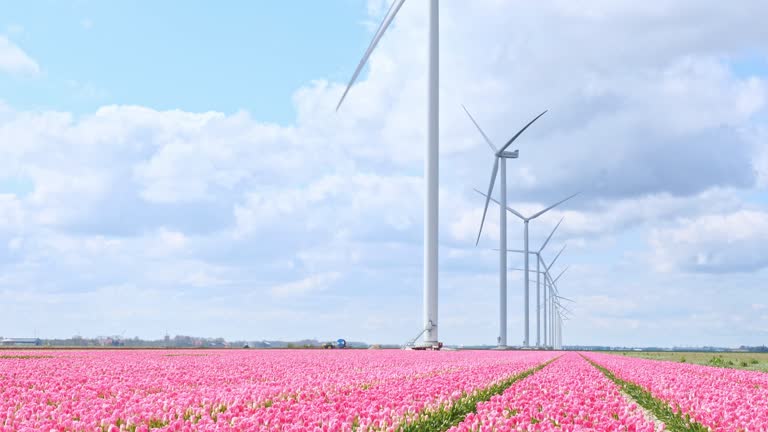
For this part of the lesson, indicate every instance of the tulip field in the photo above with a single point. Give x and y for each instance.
(568, 393)
(370, 390)
(719, 399)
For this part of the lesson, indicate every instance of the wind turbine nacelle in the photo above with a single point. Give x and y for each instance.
(510, 154)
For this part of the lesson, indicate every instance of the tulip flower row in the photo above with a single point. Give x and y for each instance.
(717, 398)
(290, 390)
(567, 395)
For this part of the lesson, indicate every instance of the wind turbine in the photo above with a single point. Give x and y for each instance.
(526, 301)
(554, 301)
(500, 158)
(554, 295)
(539, 306)
(560, 318)
(538, 282)
(547, 302)
(559, 312)
(430, 161)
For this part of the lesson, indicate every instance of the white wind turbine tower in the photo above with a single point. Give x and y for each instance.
(500, 158)
(554, 298)
(539, 306)
(562, 315)
(430, 161)
(551, 300)
(547, 279)
(543, 307)
(557, 315)
(556, 306)
(526, 285)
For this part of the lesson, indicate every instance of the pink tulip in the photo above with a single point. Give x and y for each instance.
(241, 390)
(567, 395)
(721, 399)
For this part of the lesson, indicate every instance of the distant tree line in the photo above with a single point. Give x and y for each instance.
(183, 341)
(761, 348)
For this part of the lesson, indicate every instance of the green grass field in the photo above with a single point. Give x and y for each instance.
(748, 361)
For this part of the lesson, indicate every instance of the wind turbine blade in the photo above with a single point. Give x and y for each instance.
(488, 140)
(557, 301)
(551, 234)
(547, 275)
(488, 197)
(515, 212)
(553, 206)
(511, 140)
(558, 276)
(556, 257)
(555, 289)
(521, 270)
(516, 250)
(510, 209)
(391, 13)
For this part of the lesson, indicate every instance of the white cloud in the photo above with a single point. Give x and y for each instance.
(647, 116)
(623, 124)
(734, 242)
(15, 61)
(15, 243)
(308, 285)
(596, 218)
(760, 138)
(11, 212)
(334, 203)
(203, 279)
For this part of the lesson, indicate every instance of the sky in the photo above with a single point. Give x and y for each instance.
(179, 167)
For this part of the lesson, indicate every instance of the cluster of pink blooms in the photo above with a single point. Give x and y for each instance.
(567, 395)
(334, 390)
(720, 399)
